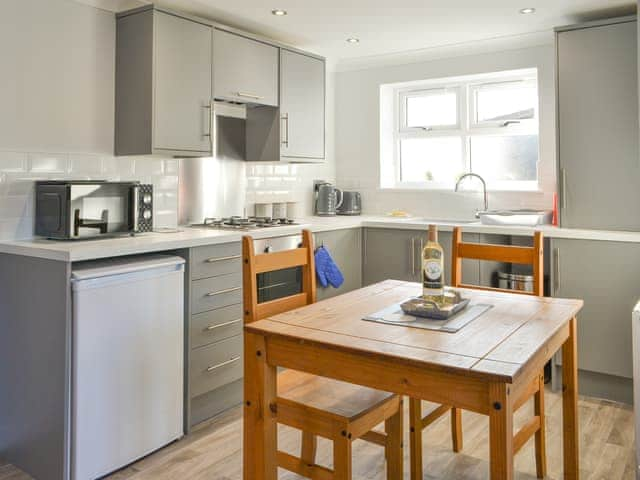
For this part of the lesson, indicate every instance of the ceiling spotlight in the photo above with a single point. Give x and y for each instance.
(353, 40)
(528, 10)
(278, 13)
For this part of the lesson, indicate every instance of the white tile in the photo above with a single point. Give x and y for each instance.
(168, 182)
(48, 163)
(119, 166)
(85, 164)
(13, 162)
(149, 166)
(171, 166)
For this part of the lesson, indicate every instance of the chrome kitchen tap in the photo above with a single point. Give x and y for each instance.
(484, 190)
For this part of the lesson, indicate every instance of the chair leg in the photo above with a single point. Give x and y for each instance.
(308, 450)
(456, 429)
(415, 436)
(341, 458)
(540, 442)
(393, 448)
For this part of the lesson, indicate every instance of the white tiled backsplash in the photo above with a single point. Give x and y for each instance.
(19, 171)
(273, 183)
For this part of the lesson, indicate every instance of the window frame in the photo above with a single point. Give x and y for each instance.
(522, 124)
(405, 95)
(465, 129)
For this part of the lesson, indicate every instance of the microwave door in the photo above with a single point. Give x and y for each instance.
(99, 208)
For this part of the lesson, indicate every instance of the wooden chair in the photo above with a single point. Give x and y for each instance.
(320, 406)
(533, 256)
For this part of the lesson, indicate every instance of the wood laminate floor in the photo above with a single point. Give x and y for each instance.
(213, 450)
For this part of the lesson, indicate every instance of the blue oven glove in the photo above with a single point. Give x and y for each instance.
(327, 271)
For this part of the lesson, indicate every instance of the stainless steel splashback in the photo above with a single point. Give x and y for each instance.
(211, 187)
(216, 186)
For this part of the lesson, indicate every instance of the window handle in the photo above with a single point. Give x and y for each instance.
(426, 129)
(510, 122)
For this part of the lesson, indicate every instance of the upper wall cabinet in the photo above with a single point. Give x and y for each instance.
(599, 167)
(163, 84)
(246, 70)
(302, 107)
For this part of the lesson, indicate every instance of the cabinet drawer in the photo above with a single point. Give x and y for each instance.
(216, 365)
(216, 292)
(215, 325)
(215, 260)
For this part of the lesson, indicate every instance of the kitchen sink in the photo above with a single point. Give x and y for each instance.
(521, 217)
(441, 221)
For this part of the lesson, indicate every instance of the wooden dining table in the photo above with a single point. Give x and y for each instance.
(485, 367)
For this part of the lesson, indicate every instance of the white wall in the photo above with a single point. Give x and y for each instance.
(357, 130)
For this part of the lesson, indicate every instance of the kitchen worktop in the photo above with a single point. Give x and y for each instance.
(187, 237)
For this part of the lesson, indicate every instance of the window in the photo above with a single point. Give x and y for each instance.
(482, 124)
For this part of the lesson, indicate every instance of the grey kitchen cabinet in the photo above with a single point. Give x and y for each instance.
(302, 106)
(246, 70)
(345, 247)
(597, 108)
(390, 254)
(604, 274)
(396, 254)
(163, 84)
(213, 331)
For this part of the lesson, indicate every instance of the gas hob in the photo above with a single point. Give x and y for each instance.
(244, 224)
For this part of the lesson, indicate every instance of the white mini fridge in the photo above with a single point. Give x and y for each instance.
(127, 361)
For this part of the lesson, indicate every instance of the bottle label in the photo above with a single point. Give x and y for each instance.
(432, 272)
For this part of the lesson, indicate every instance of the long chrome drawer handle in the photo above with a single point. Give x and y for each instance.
(220, 325)
(222, 259)
(248, 95)
(228, 290)
(223, 364)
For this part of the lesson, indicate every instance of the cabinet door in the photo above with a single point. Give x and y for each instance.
(302, 96)
(182, 91)
(604, 275)
(345, 247)
(391, 254)
(245, 70)
(598, 127)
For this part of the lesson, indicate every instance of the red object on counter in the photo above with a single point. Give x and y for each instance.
(554, 220)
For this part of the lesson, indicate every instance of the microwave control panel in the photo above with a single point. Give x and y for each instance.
(145, 208)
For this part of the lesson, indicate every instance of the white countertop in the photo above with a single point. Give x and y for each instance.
(187, 237)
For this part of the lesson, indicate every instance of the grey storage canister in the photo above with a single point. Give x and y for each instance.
(513, 281)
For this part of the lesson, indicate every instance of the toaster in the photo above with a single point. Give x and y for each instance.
(351, 204)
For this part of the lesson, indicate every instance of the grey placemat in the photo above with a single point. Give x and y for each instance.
(394, 315)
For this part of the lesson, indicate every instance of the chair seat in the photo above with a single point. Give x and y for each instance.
(333, 397)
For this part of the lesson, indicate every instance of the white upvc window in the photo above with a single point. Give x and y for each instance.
(486, 125)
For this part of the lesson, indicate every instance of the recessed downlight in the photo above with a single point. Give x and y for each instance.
(527, 11)
(353, 40)
(278, 12)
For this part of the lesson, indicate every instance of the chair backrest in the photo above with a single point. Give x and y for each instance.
(499, 253)
(253, 264)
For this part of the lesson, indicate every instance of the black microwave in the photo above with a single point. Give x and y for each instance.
(71, 209)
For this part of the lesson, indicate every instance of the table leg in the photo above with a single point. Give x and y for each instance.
(415, 437)
(260, 428)
(570, 436)
(501, 432)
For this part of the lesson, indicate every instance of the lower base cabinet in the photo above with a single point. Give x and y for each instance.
(214, 340)
(396, 254)
(604, 275)
(345, 247)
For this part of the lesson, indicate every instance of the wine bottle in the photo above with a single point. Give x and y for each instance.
(433, 267)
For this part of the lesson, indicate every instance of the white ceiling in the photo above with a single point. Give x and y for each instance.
(390, 26)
